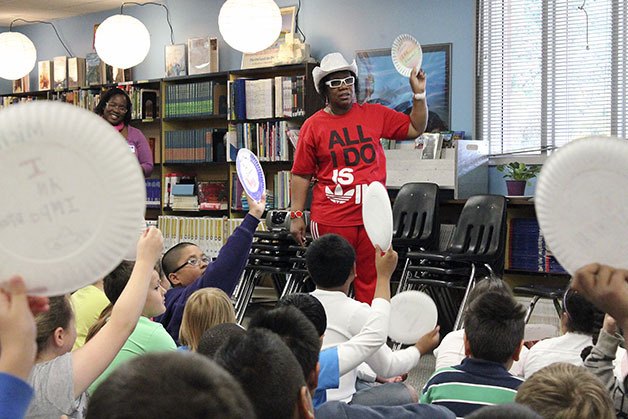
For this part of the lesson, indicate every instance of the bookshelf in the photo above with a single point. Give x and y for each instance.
(266, 107)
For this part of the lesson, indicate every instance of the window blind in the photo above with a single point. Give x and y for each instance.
(549, 72)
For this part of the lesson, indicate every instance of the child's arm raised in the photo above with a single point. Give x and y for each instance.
(92, 359)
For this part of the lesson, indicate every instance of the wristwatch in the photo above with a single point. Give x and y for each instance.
(419, 96)
(296, 214)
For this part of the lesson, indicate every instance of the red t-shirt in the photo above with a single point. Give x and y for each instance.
(344, 153)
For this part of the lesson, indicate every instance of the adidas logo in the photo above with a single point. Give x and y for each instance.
(338, 196)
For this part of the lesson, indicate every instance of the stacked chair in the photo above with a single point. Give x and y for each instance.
(276, 254)
(475, 250)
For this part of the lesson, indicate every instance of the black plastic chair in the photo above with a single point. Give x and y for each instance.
(554, 293)
(476, 249)
(415, 216)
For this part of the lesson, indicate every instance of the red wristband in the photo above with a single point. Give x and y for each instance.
(296, 214)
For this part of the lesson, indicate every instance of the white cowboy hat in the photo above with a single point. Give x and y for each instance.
(330, 64)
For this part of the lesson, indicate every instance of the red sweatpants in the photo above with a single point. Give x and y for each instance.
(366, 275)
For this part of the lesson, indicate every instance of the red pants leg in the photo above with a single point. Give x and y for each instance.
(366, 275)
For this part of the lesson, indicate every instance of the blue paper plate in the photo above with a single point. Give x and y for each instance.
(250, 174)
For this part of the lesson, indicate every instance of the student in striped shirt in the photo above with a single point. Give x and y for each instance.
(494, 327)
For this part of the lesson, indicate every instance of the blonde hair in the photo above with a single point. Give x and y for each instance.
(565, 391)
(204, 309)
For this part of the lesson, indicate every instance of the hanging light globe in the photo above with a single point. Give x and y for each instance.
(122, 41)
(249, 26)
(17, 55)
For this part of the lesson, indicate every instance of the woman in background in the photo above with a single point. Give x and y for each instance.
(115, 107)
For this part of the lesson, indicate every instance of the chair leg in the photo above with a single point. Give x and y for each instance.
(559, 309)
(403, 282)
(530, 309)
(470, 285)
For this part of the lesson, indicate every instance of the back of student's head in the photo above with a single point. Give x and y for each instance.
(310, 306)
(330, 259)
(169, 385)
(501, 411)
(204, 309)
(266, 369)
(170, 259)
(214, 337)
(566, 391)
(296, 331)
(494, 326)
(116, 280)
(581, 315)
(58, 315)
(489, 284)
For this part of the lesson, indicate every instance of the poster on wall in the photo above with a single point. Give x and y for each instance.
(380, 82)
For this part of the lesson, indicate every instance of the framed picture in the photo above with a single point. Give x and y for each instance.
(268, 57)
(176, 60)
(379, 82)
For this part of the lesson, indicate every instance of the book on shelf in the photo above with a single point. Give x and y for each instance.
(119, 75)
(149, 103)
(213, 55)
(176, 60)
(237, 190)
(212, 195)
(95, 69)
(153, 193)
(199, 55)
(60, 72)
(220, 98)
(259, 98)
(22, 85)
(45, 74)
(76, 72)
(432, 143)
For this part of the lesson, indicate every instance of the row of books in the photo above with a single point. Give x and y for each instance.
(208, 233)
(270, 141)
(153, 193)
(75, 72)
(281, 188)
(201, 145)
(527, 250)
(144, 101)
(193, 99)
(278, 97)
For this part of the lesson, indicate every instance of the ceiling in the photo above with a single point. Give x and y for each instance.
(51, 9)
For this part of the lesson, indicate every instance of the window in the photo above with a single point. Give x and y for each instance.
(550, 72)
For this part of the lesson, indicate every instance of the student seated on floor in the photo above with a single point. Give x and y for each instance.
(188, 269)
(494, 327)
(564, 390)
(451, 352)
(336, 361)
(331, 263)
(170, 385)
(580, 321)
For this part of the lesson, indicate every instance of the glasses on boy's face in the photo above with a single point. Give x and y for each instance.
(194, 261)
(121, 108)
(336, 83)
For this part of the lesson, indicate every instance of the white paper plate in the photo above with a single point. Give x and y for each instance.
(377, 215)
(582, 205)
(251, 174)
(412, 315)
(73, 196)
(406, 54)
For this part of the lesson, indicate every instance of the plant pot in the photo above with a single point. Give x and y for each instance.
(516, 187)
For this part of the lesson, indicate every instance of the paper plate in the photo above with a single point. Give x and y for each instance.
(73, 196)
(250, 174)
(412, 315)
(406, 54)
(377, 215)
(582, 205)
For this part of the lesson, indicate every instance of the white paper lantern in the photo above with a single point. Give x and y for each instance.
(17, 55)
(249, 25)
(122, 41)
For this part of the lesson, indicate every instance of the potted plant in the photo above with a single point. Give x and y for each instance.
(517, 176)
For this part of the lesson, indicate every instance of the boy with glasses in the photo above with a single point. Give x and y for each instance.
(188, 269)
